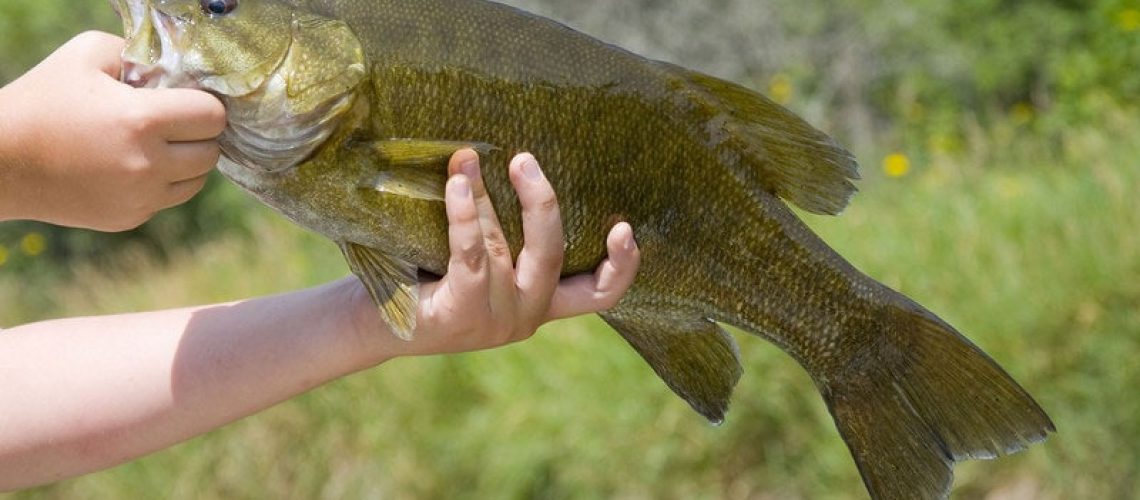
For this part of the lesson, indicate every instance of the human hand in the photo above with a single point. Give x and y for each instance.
(485, 300)
(78, 148)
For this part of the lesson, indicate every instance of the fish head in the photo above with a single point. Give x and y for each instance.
(286, 74)
(229, 47)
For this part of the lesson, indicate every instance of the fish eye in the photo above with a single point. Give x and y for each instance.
(218, 7)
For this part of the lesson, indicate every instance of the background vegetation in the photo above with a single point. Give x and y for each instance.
(999, 146)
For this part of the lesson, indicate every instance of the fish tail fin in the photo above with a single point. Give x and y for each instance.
(922, 397)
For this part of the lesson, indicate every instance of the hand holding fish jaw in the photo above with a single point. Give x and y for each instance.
(78, 148)
(486, 300)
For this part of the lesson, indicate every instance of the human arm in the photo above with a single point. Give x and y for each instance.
(84, 394)
(78, 148)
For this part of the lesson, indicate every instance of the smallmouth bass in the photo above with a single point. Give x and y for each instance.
(343, 113)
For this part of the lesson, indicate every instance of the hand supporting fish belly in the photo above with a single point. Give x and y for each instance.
(343, 116)
(486, 299)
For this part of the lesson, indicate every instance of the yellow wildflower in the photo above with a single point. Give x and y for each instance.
(1128, 20)
(780, 88)
(896, 165)
(33, 244)
(3, 255)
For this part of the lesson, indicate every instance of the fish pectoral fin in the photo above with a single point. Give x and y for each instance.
(424, 152)
(411, 182)
(696, 358)
(416, 168)
(392, 284)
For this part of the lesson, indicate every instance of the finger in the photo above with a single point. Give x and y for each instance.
(602, 290)
(180, 192)
(466, 161)
(184, 115)
(467, 268)
(190, 160)
(540, 261)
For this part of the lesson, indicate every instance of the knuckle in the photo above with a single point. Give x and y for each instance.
(137, 122)
(136, 162)
(472, 258)
(548, 204)
(136, 165)
(607, 300)
(86, 38)
(496, 247)
(92, 38)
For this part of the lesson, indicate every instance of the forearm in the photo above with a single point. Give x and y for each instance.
(88, 393)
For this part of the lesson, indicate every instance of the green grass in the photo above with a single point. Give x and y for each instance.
(1033, 255)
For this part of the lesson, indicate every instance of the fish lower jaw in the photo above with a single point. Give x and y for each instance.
(155, 77)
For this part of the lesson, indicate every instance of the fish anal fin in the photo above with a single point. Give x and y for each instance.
(785, 155)
(696, 358)
(392, 284)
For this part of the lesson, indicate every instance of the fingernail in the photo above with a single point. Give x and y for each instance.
(460, 187)
(530, 167)
(469, 167)
(628, 243)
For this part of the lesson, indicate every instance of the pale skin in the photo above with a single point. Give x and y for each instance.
(84, 394)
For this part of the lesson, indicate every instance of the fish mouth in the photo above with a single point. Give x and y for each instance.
(153, 54)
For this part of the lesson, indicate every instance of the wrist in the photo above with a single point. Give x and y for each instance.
(10, 163)
(16, 168)
(358, 323)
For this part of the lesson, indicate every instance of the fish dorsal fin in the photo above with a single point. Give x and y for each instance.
(784, 154)
(390, 281)
(696, 358)
(415, 168)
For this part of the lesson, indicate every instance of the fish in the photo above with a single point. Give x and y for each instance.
(342, 115)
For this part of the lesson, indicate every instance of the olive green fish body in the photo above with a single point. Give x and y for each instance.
(343, 115)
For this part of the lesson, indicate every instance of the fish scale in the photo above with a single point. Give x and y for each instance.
(349, 136)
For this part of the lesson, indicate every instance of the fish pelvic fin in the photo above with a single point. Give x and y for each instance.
(922, 397)
(391, 282)
(696, 358)
(779, 151)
